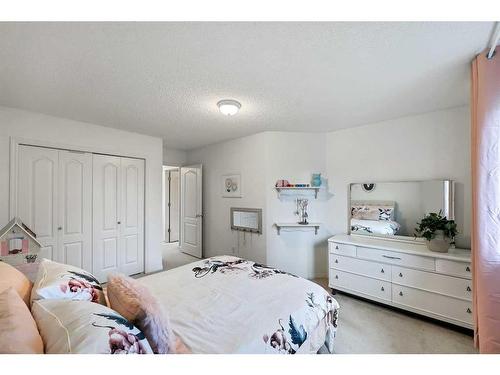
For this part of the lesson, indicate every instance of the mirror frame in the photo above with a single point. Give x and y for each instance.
(258, 211)
(449, 203)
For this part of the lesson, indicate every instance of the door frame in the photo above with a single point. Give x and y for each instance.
(15, 142)
(168, 168)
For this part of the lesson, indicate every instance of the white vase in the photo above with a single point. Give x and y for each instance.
(439, 243)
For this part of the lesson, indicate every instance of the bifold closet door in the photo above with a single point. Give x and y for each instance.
(37, 192)
(54, 199)
(118, 215)
(75, 209)
(132, 216)
(106, 181)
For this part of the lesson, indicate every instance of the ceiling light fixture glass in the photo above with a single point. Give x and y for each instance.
(229, 107)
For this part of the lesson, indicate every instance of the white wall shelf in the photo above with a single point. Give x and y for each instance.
(294, 188)
(296, 226)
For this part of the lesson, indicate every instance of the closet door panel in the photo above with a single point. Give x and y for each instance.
(132, 223)
(75, 209)
(106, 214)
(37, 185)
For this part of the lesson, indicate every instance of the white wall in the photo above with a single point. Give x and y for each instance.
(262, 159)
(173, 157)
(294, 157)
(246, 156)
(58, 132)
(429, 146)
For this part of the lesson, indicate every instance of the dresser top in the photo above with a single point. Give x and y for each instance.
(461, 255)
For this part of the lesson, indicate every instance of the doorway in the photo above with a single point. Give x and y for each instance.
(171, 207)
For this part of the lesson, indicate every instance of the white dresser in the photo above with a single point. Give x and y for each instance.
(404, 275)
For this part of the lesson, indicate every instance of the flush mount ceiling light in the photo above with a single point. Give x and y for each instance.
(229, 107)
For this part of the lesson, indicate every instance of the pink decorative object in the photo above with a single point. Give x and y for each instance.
(135, 303)
(4, 248)
(25, 246)
(283, 183)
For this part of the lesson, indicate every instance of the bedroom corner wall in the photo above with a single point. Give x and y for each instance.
(39, 127)
(246, 156)
(434, 145)
(295, 156)
(262, 159)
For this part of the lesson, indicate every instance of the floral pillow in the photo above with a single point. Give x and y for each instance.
(82, 327)
(62, 281)
(385, 213)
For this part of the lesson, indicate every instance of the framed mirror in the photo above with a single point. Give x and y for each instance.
(393, 209)
(246, 219)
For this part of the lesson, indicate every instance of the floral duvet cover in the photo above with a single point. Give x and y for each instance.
(231, 305)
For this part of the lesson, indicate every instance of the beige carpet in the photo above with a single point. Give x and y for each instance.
(173, 257)
(365, 327)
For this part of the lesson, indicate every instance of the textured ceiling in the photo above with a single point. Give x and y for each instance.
(164, 79)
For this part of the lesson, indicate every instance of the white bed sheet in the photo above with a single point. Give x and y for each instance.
(231, 305)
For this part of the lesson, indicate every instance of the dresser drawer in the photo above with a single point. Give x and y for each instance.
(442, 306)
(342, 249)
(433, 282)
(451, 267)
(365, 285)
(361, 267)
(393, 257)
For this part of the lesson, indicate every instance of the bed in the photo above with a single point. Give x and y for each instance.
(373, 217)
(231, 305)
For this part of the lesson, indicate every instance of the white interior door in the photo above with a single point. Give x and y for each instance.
(191, 210)
(75, 209)
(37, 185)
(131, 259)
(107, 186)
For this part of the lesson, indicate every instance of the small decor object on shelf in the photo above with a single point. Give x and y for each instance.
(302, 210)
(438, 231)
(282, 183)
(231, 186)
(316, 180)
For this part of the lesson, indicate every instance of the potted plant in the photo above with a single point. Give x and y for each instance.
(438, 231)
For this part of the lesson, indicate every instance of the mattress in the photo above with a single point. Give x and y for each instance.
(231, 305)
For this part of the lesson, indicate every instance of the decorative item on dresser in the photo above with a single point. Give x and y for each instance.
(404, 275)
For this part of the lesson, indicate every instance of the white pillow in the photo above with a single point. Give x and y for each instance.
(62, 281)
(83, 327)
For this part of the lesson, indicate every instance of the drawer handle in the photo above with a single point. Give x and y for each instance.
(469, 289)
(382, 289)
(336, 247)
(390, 257)
(382, 271)
(469, 311)
(336, 260)
(336, 276)
(400, 274)
(467, 269)
(401, 294)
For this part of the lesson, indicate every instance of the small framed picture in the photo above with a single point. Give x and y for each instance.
(231, 186)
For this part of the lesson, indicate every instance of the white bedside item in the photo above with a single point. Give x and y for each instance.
(404, 275)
